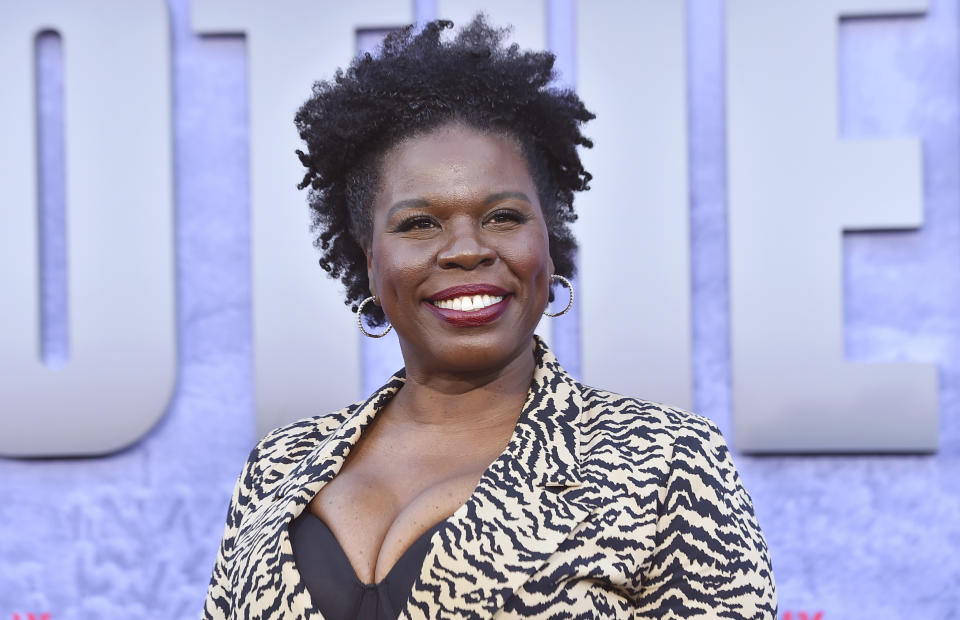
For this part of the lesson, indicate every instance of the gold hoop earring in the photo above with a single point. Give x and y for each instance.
(363, 303)
(569, 286)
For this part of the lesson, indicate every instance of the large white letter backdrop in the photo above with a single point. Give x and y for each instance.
(794, 187)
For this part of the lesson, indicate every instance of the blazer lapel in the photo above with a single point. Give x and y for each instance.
(324, 462)
(310, 470)
(300, 484)
(526, 504)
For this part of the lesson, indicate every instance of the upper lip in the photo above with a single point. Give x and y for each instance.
(464, 290)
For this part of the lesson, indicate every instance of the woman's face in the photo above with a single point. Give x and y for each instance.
(459, 257)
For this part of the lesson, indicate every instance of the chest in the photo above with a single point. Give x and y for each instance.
(514, 546)
(391, 492)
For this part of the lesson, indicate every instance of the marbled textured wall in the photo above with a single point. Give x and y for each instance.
(134, 534)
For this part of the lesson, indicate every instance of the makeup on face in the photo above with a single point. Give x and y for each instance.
(459, 256)
(469, 305)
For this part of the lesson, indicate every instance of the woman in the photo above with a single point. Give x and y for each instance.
(481, 480)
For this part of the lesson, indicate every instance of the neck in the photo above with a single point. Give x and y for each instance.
(487, 399)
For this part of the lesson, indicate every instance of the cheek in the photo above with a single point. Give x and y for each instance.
(397, 269)
(532, 263)
(530, 260)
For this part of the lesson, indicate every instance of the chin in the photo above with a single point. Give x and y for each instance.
(480, 352)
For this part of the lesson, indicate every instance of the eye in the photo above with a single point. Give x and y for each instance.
(415, 223)
(506, 217)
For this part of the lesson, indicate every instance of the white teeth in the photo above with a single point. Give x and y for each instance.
(468, 303)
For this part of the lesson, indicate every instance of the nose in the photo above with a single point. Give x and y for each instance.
(465, 248)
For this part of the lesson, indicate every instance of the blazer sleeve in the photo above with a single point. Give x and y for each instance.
(710, 558)
(219, 601)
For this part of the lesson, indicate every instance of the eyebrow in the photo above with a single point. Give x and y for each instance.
(492, 198)
(420, 203)
(408, 204)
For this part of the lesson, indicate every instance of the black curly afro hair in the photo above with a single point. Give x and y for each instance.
(416, 82)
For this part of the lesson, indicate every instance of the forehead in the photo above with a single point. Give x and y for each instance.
(453, 161)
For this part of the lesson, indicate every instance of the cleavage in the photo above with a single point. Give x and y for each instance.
(375, 522)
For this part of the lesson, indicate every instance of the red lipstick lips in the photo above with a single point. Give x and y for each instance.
(469, 318)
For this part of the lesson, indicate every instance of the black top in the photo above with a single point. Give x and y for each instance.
(333, 585)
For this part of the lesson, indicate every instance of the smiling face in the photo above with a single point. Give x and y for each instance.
(459, 257)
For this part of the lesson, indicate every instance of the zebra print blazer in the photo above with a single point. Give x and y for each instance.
(601, 506)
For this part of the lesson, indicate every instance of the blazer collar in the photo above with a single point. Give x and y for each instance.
(547, 435)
